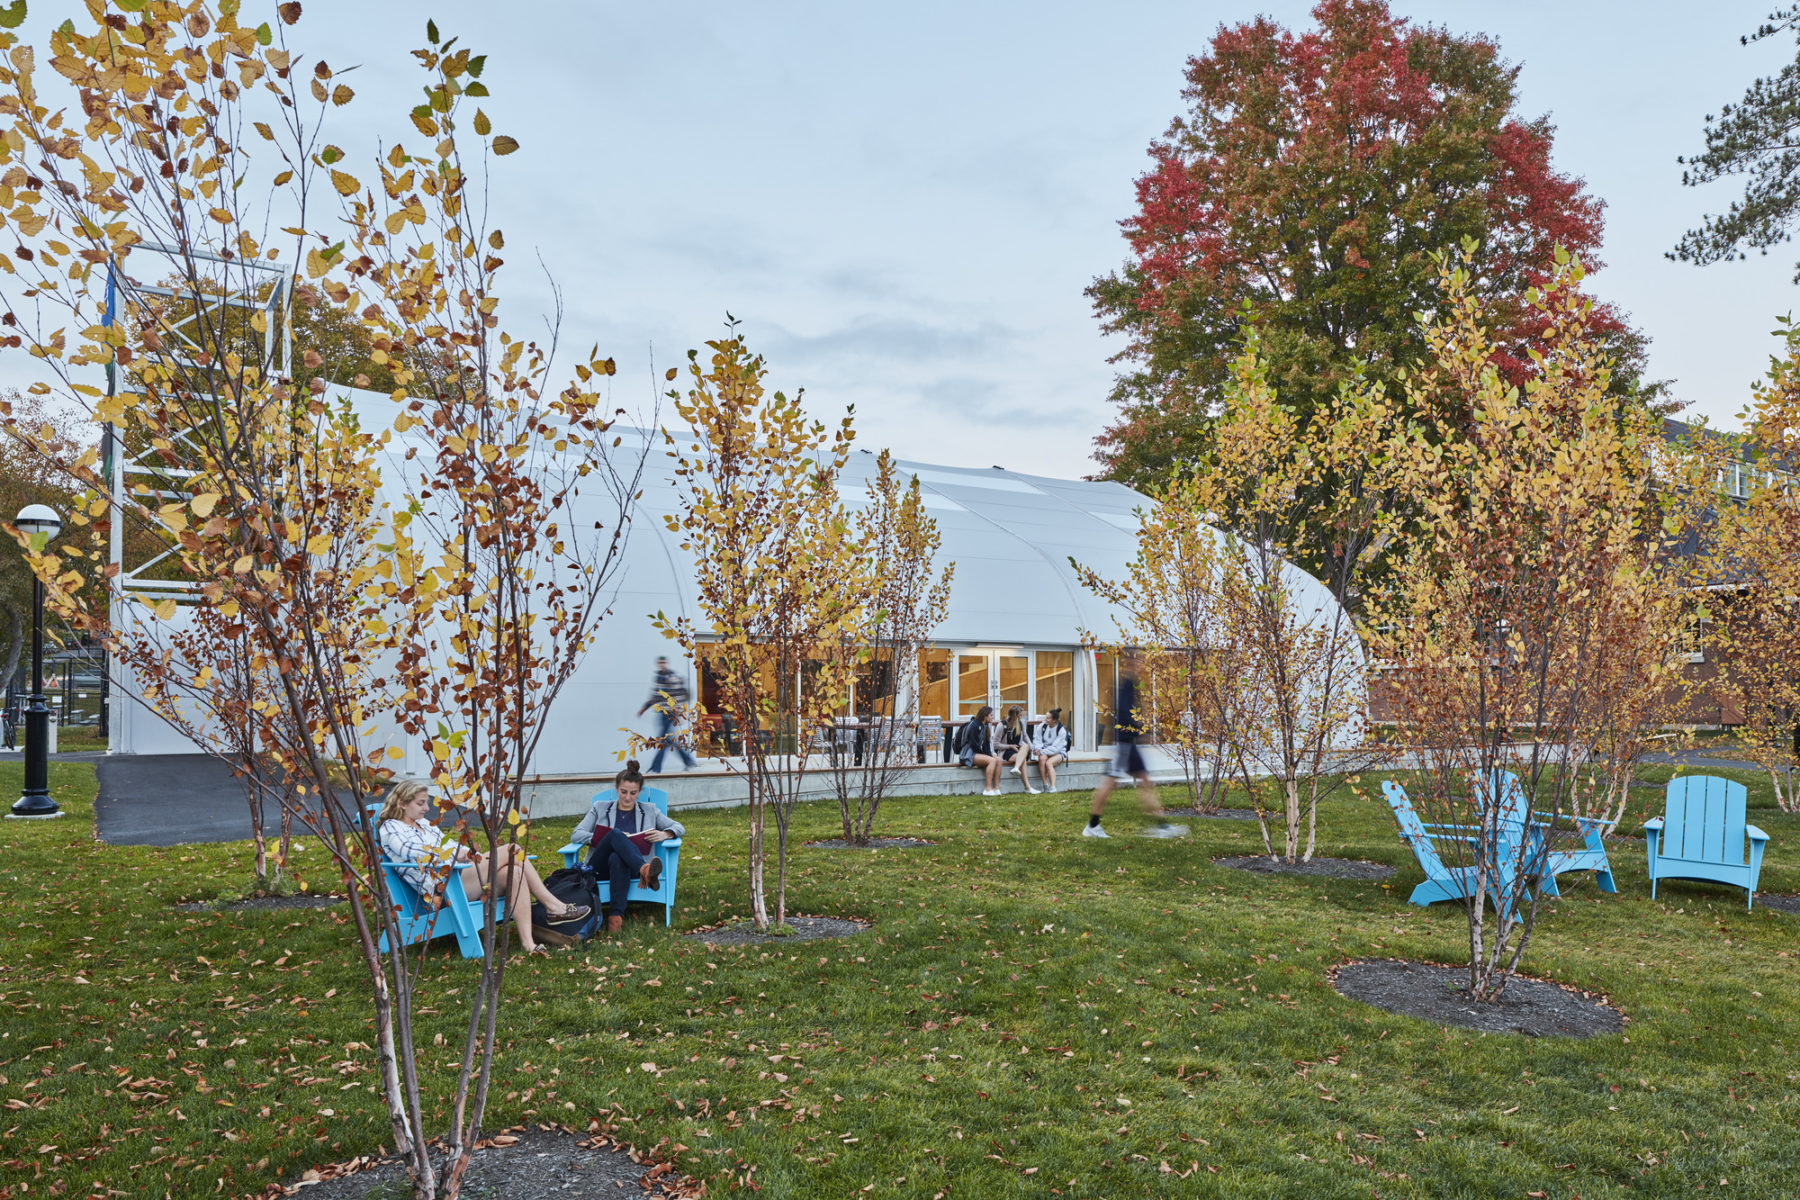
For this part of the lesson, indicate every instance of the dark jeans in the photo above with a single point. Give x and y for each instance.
(665, 739)
(617, 861)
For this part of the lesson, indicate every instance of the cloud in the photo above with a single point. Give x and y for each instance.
(986, 400)
(896, 339)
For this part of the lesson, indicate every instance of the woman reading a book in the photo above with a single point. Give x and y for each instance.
(621, 834)
(408, 835)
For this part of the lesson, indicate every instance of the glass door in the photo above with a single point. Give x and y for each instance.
(1001, 678)
(973, 673)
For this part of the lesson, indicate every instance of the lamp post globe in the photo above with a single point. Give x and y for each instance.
(38, 518)
(35, 519)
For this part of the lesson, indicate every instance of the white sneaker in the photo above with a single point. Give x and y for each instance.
(1092, 831)
(1032, 790)
(1165, 830)
(990, 792)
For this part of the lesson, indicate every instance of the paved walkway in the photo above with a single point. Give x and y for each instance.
(171, 800)
(1699, 758)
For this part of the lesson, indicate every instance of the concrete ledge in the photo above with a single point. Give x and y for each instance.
(720, 783)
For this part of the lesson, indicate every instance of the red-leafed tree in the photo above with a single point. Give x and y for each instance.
(1307, 188)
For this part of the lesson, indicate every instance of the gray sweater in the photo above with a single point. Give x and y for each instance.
(605, 812)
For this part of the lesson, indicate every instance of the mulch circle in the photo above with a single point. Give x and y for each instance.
(1332, 868)
(258, 903)
(1433, 992)
(1223, 814)
(534, 1164)
(739, 933)
(1786, 904)
(874, 843)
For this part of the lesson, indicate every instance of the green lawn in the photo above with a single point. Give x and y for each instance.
(1033, 1014)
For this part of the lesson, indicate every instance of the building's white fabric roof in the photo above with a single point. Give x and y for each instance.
(1010, 534)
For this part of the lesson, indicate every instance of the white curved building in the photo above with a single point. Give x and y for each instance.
(1012, 636)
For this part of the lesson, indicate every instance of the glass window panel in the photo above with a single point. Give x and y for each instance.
(971, 683)
(934, 683)
(717, 734)
(1015, 683)
(875, 685)
(1106, 684)
(1056, 682)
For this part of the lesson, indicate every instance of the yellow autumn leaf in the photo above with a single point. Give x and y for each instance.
(318, 543)
(165, 609)
(345, 183)
(204, 503)
(396, 753)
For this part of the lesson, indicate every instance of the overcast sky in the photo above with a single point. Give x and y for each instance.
(902, 203)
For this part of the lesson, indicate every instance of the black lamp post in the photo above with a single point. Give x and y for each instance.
(32, 520)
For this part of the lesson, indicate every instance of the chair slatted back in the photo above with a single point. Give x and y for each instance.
(655, 797)
(1703, 820)
(1515, 810)
(1411, 828)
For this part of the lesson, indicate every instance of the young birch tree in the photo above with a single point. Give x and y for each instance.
(1169, 601)
(783, 580)
(443, 574)
(1262, 482)
(1753, 604)
(901, 542)
(1532, 550)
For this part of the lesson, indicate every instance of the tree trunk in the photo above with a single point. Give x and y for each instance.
(1291, 789)
(1312, 828)
(395, 1091)
(759, 909)
(781, 869)
(1478, 971)
(15, 645)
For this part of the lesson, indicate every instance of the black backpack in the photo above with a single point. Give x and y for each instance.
(576, 886)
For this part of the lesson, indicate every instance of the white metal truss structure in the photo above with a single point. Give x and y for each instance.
(182, 313)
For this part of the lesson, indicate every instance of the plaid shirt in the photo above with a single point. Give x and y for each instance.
(422, 843)
(668, 692)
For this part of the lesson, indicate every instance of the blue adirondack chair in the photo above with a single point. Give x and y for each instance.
(669, 852)
(453, 915)
(457, 915)
(1442, 882)
(1702, 834)
(1590, 857)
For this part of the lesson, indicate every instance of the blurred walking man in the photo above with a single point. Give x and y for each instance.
(668, 696)
(1128, 762)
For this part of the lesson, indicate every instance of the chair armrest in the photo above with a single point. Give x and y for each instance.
(1581, 823)
(672, 843)
(1454, 837)
(1755, 834)
(571, 848)
(1451, 828)
(1654, 825)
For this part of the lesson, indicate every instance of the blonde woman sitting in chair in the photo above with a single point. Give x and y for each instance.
(407, 835)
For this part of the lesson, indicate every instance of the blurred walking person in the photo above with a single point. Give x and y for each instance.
(1128, 762)
(668, 696)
